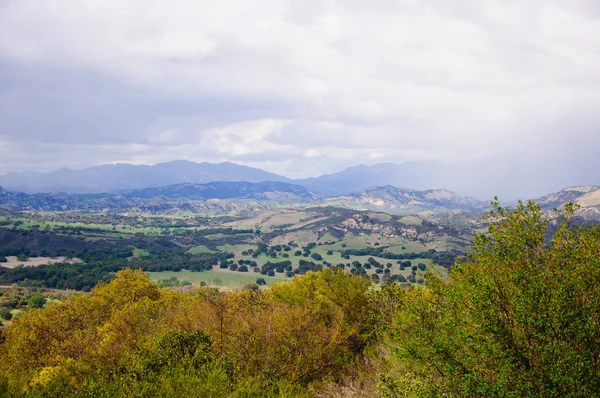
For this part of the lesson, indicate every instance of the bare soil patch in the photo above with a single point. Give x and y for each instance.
(36, 261)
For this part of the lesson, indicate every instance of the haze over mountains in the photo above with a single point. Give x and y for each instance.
(110, 178)
(248, 197)
(481, 180)
(224, 197)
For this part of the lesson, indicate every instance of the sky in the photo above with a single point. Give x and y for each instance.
(300, 87)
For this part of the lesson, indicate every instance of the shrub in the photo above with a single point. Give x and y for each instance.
(5, 314)
(518, 318)
(36, 301)
(261, 281)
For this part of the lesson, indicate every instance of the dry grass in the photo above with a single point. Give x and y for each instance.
(36, 261)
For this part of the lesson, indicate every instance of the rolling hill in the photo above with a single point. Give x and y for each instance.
(586, 196)
(395, 200)
(234, 196)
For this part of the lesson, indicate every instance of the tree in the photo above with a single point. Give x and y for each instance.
(518, 318)
(36, 301)
(261, 281)
(5, 314)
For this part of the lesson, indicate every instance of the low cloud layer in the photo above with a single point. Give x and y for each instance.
(299, 88)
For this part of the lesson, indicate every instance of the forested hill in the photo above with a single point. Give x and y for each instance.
(223, 197)
(184, 197)
(267, 190)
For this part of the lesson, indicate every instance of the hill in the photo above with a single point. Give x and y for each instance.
(225, 197)
(420, 175)
(586, 196)
(267, 190)
(403, 201)
(217, 197)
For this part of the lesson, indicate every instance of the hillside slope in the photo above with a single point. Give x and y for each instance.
(403, 201)
(586, 196)
(217, 197)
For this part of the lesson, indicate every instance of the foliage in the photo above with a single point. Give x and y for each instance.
(131, 338)
(5, 314)
(445, 259)
(519, 318)
(36, 301)
(172, 282)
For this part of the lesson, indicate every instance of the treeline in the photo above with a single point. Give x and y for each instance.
(76, 275)
(49, 244)
(444, 259)
(100, 260)
(85, 275)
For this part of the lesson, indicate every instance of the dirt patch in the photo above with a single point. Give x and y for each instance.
(36, 261)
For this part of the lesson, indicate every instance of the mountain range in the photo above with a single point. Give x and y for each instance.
(395, 200)
(481, 179)
(225, 197)
(228, 196)
(111, 178)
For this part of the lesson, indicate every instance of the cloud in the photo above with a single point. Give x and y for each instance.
(246, 138)
(299, 87)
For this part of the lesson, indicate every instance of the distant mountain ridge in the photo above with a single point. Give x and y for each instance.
(417, 175)
(110, 178)
(586, 196)
(508, 176)
(266, 190)
(235, 196)
(178, 197)
(401, 200)
(226, 196)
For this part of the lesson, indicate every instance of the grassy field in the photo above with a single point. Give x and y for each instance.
(222, 278)
(201, 249)
(140, 253)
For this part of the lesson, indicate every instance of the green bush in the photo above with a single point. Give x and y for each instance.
(36, 301)
(518, 318)
(5, 314)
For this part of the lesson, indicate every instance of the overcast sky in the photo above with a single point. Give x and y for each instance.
(299, 88)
